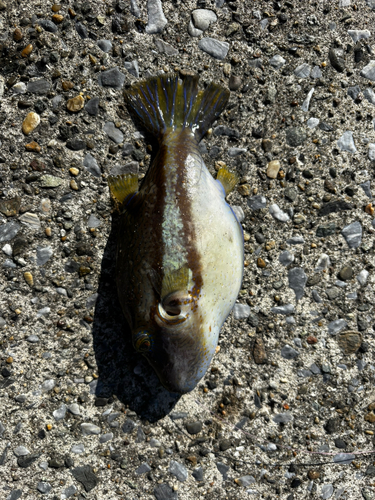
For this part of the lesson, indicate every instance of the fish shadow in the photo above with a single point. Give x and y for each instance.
(122, 371)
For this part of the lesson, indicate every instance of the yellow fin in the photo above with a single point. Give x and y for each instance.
(173, 281)
(228, 179)
(121, 186)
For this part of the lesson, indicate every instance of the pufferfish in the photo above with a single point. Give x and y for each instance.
(180, 246)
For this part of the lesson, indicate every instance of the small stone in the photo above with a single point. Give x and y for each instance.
(273, 168)
(297, 281)
(343, 458)
(259, 352)
(286, 258)
(76, 144)
(203, 18)
(92, 106)
(333, 207)
(336, 326)
(8, 231)
(326, 491)
(77, 448)
(284, 309)
(353, 234)
(198, 474)
(178, 470)
(283, 418)
(104, 45)
(47, 25)
(86, 476)
(39, 86)
(27, 50)
(128, 426)
(60, 413)
(74, 409)
(165, 492)
(235, 83)
(369, 94)
(132, 67)
(303, 71)
(156, 18)
(113, 133)
(346, 142)
(43, 254)
(106, 437)
(48, 385)
(21, 451)
(288, 352)
(312, 122)
(369, 71)
(50, 181)
(223, 469)
(88, 429)
(306, 103)
(165, 48)
(91, 165)
(81, 30)
(142, 469)
(241, 311)
(214, 48)
(33, 339)
(17, 35)
(112, 78)
(194, 427)
(261, 263)
(295, 136)
(25, 462)
(236, 151)
(336, 57)
(30, 220)
(346, 273)
(30, 123)
(349, 341)
(245, 480)
(57, 18)
(277, 61)
(75, 104)
(44, 487)
(278, 214)
(68, 492)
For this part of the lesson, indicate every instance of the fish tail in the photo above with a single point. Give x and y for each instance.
(166, 102)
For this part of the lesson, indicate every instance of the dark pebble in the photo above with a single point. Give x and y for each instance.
(223, 469)
(86, 476)
(346, 273)
(75, 144)
(47, 25)
(194, 427)
(165, 492)
(339, 443)
(26, 461)
(332, 425)
(198, 474)
(81, 30)
(92, 106)
(224, 444)
(128, 426)
(296, 482)
(334, 207)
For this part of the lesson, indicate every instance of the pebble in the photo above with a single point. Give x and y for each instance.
(297, 281)
(104, 438)
(369, 95)
(198, 474)
(165, 492)
(86, 476)
(43, 254)
(259, 352)
(316, 72)
(283, 418)
(337, 60)
(238, 212)
(112, 78)
(74, 409)
(366, 186)
(50, 181)
(354, 92)
(60, 413)
(30, 220)
(33, 339)
(8, 231)
(48, 385)
(284, 309)
(192, 30)
(236, 151)
(278, 214)
(288, 352)
(362, 277)
(326, 491)
(178, 470)
(241, 311)
(346, 142)
(68, 492)
(306, 103)
(312, 122)
(92, 106)
(75, 104)
(156, 18)
(295, 136)
(105, 45)
(295, 240)
(30, 123)
(19, 88)
(39, 86)
(286, 258)
(143, 469)
(223, 469)
(165, 47)
(132, 68)
(353, 234)
(323, 262)
(128, 426)
(214, 48)
(77, 448)
(93, 221)
(194, 427)
(81, 30)
(134, 8)
(21, 451)
(88, 429)
(369, 71)
(113, 133)
(203, 18)
(336, 326)
(349, 341)
(245, 480)
(273, 168)
(277, 61)
(47, 25)
(303, 71)
(44, 487)
(91, 165)
(371, 151)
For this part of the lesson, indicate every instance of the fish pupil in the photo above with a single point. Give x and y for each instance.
(172, 307)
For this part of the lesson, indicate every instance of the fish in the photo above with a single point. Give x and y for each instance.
(180, 250)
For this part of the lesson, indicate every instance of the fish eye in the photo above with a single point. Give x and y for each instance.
(143, 341)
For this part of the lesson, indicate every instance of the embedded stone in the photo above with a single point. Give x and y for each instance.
(75, 104)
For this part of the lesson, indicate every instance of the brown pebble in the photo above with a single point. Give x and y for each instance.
(273, 168)
(313, 474)
(261, 263)
(244, 189)
(67, 85)
(30, 123)
(9, 360)
(56, 7)
(33, 147)
(74, 185)
(311, 339)
(27, 50)
(57, 18)
(259, 352)
(75, 104)
(370, 417)
(371, 406)
(71, 12)
(28, 278)
(349, 341)
(48, 231)
(17, 35)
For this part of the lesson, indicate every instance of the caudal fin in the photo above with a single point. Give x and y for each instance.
(166, 102)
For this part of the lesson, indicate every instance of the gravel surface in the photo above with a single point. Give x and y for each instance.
(81, 414)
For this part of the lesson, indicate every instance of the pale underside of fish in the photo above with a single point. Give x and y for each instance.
(180, 246)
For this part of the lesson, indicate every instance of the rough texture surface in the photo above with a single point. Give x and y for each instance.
(82, 415)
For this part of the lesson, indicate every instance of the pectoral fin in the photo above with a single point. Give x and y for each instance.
(176, 280)
(122, 187)
(227, 179)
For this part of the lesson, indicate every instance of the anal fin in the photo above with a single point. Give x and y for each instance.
(227, 179)
(122, 186)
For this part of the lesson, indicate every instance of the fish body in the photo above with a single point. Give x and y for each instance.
(180, 246)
